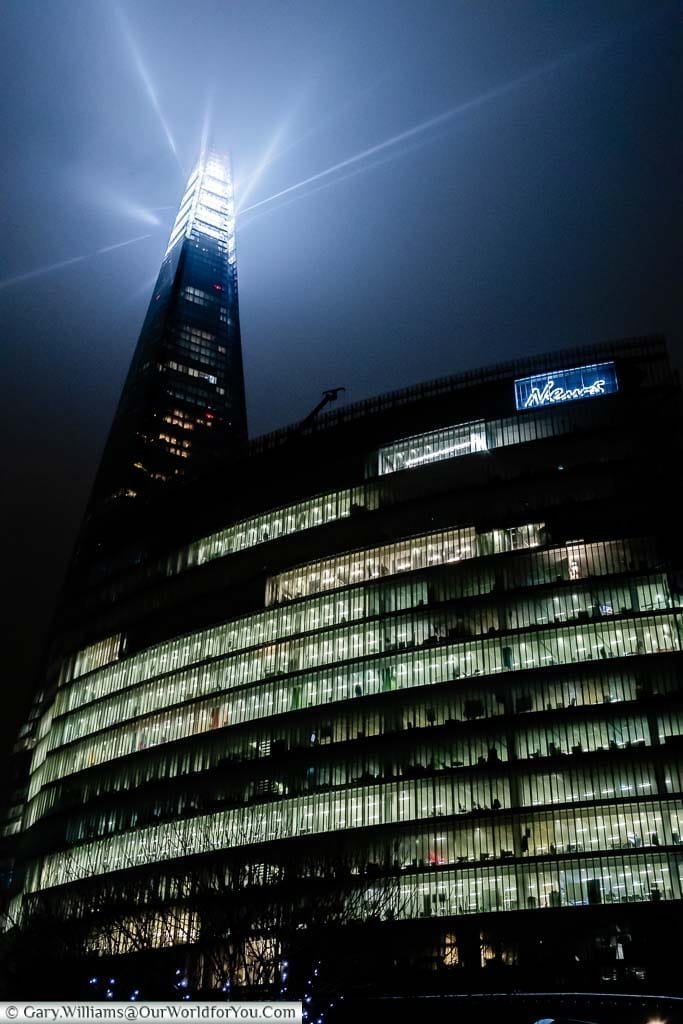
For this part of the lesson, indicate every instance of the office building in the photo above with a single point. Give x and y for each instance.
(420, 659)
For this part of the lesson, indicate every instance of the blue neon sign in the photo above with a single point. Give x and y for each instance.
(560, 386)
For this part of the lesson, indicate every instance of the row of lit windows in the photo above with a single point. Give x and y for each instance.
(630, 826)
(469, 438)
(195, 334)
(217, 179)
(180, 442)
(420, 760)
(477, 436)
(589, 880)
(408, 669)
(303, 515)
(216, 183)
(95, 656)
(206, 208)
(426, 759)
(440, 548)
(242, 535)
(184, 211)
(181, 222)
(352, 605)
(447, 892)
(480, 704)
(214, 207)
(418, 715)
(517, 569)
(463, 439)
(191, 371)
(206, 300)
(203, 227)
(334, 810)
(569, 782)
(256, 530)
(213, 210)
(576, 561)
(341, 643)
(184, 420)
(415, 451)
(199, 297)
(213, 357)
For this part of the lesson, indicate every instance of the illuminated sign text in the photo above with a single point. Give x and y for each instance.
(560, 386)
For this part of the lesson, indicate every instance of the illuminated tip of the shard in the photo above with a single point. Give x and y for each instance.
(207, 206)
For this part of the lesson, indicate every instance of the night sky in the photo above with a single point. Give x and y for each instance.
(506, 179)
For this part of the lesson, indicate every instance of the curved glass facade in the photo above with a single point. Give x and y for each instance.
(483, 701)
